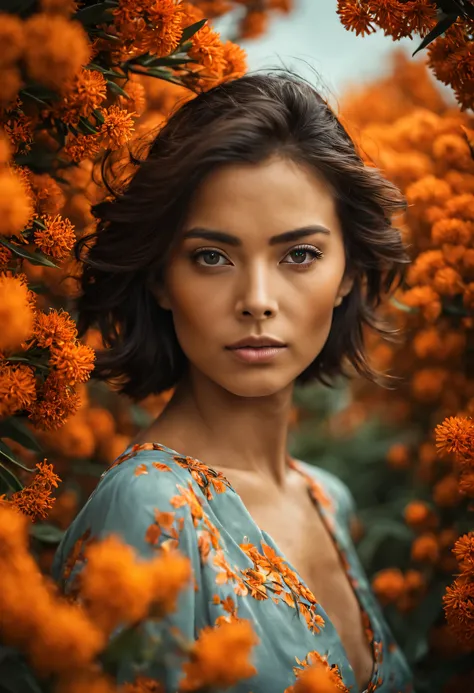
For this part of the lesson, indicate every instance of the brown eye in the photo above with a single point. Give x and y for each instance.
(299, 254)
(211, 255)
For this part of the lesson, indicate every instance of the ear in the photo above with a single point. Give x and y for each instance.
(345, 288)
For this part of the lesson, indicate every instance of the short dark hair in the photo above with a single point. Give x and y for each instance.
(245, 120)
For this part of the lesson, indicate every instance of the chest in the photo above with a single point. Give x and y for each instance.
(297, 528)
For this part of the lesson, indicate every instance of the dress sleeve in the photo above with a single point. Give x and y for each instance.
(147, 505)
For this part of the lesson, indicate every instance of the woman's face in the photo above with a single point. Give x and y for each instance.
(223, 290)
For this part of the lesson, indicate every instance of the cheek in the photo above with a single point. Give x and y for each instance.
(196, 312)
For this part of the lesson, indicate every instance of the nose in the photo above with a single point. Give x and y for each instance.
(256, 297)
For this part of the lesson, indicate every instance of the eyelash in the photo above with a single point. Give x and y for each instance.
(317, 255)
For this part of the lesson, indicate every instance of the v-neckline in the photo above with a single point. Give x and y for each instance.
(332, 530)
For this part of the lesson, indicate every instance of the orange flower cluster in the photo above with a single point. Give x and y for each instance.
(404, 126)
(456, 436)
(49, 399)
(450, 56)
(63, 638)
(314, 674)
(35, 500)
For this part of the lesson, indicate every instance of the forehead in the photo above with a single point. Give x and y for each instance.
(260, 200)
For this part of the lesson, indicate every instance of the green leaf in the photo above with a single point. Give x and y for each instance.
(35, 257)
(47, 533)
(170, 61)
(98, 115)
(191, 30)
(39, 92)
(10, 479)
(402, 306)
(15, 429)
(85, 127)
(7, 453)
(95, 14)
(162, 73)
(129, 644)
(442, 26)
(116, 89)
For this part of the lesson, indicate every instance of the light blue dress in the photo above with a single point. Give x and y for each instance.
(238, 569)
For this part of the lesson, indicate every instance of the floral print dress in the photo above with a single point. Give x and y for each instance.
(156, 498)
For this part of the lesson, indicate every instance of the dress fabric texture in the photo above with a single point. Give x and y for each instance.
(156, 498)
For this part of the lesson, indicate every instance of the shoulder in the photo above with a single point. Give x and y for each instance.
(337, 494)
(146, 497)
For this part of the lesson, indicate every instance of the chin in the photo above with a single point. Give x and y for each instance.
(256, 384)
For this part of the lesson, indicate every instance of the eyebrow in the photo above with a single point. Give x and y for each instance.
(223, 237)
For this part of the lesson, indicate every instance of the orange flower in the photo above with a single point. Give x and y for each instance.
(235, 61)
(455, 231)
(57, 403)
(424, 267)
(117, 127)
(454, 150)
(19, 130)
(414, 581)
(427, 384)
(464, 552)
(425, 549)
(35, 500)
(27, 600)
(425, 298)
(86, 92)
(49, 197)
(16, 205)
(419, 516)
(17, 388)
(448, 282)
(55, 49)
(73, 362)
(82, 147)
(315, 663)
(317, 679)
(54, 329)
(388, 585)
(5, 257)
(455, 434)
(12, 39)
(143, 684)
(220, 656)
(119, 589)
(428, 191)
(466, 483)
(57, 239)
(355, 17)
(458, 607)
(468, 296)
(446, 492)
(16, 313)
(136, 102)
(398, 456)
(461, 206)
(254, 24)
(207, 50)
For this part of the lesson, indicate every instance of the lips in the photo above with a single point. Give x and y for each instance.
(254, 342)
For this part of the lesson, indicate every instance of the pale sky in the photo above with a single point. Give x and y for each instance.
(313, 34)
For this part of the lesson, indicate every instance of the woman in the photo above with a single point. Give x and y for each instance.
(247, 253)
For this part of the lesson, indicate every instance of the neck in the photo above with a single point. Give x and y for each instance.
(225, 431)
